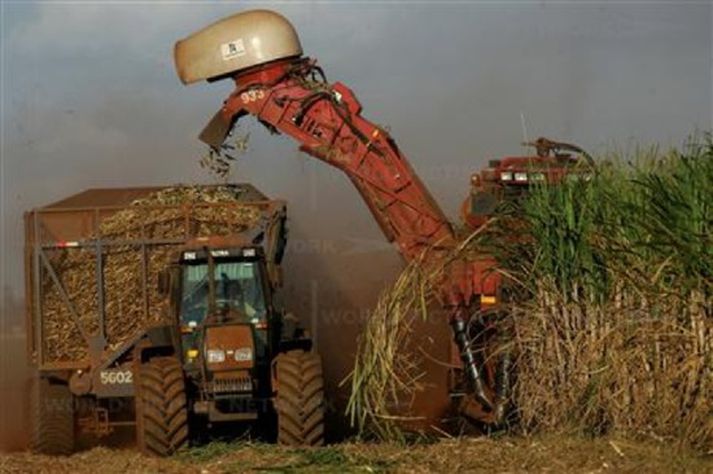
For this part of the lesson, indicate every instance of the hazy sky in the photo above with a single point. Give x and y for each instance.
(91, 98)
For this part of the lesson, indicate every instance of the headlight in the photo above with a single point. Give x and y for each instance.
(506, 176)
(215, 356)
(244, 354)
(521, 177)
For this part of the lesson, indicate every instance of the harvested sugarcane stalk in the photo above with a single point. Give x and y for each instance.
(207, 211)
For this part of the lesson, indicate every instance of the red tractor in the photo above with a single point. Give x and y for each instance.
(260, 51)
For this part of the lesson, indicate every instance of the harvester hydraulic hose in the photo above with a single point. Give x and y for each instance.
(469, 365)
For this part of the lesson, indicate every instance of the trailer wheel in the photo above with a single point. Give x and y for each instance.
(161, 412)
(53, 418)
(300, 399)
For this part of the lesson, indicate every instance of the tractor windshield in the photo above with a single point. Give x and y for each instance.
(238, 286)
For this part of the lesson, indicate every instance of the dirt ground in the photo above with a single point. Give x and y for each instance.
(543, 454)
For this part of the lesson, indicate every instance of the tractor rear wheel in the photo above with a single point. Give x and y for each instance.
(161, 411)
(300, 399)
(53, 418)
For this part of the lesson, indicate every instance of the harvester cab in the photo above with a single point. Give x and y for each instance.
(511, 177)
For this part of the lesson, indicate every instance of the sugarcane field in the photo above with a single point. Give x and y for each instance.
(392, 236)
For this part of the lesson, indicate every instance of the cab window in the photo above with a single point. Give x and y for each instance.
(238, 286)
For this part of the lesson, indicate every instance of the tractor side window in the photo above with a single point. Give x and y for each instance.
(194, 302)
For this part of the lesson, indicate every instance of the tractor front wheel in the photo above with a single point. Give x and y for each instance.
(161, 412)
(300, 399)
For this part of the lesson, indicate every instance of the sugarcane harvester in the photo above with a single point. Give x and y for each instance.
(288, 93)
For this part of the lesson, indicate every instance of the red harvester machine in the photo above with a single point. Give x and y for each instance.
(288, 93)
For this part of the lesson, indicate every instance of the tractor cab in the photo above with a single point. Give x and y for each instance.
(223, 284)
(222, 298)
(222, 287)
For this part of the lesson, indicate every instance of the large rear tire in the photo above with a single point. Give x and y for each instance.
(161, 412)
(53, 418)
(300, 399)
